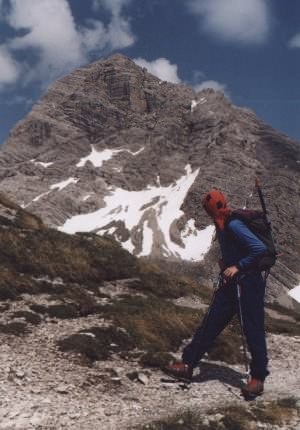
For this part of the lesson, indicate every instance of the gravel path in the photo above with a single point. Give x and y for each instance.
(43, 388)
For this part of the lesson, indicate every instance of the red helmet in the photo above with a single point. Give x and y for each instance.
(215, 204)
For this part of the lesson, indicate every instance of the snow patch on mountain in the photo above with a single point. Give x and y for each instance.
(61, 185)
(295, 293)
(152, 211)
(147, 240)
(58, 186)
(97, 158)
(40, 163)
(195, 103)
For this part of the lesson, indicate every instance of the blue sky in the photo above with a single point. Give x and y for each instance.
(250, 49)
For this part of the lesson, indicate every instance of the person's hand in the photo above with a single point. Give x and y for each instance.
(230, 272)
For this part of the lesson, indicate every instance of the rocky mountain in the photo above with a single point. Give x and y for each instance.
(112, 149)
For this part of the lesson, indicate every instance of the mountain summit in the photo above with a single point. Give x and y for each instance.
(113, 149)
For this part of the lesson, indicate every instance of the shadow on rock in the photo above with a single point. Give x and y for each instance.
(224, 374)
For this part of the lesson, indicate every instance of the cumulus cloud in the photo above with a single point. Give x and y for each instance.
(239, 21)
(210, 84)
(201, 82)
(50, 31)
(9, 70)
(114, 6)
(118, 33)
(294, 42)
(162, 68)
(52, 40)
(217, 86)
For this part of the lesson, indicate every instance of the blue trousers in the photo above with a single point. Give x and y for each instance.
(225, 305)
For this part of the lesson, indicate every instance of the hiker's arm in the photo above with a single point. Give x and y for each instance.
(254, 246)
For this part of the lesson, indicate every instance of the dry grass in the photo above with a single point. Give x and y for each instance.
(228, 346)
(79, 258)
(157, 328)
(278, 326)
(168, 285)
(235, 417)
(154, 324)
(97, 343)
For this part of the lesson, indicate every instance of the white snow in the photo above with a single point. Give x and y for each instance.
(97, 158)
(108, 231)
(136, 152)
(64, 184)
(193, 105)
(128, 245)
(85, 198)
(295, 293)
(88, 334)
(41, 163)
(147, 240)
(131, 206)
(38, 197)
(196, 103)
(59, 186)
(197, 242)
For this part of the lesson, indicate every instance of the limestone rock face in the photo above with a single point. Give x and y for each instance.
(112, 129)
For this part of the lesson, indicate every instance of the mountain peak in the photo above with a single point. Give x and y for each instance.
(134, 155)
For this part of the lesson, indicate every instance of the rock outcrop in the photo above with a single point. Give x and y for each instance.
(156, 135)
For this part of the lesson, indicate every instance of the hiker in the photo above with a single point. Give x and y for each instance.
(240, 248)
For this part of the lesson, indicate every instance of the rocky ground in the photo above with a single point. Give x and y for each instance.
(44, 388)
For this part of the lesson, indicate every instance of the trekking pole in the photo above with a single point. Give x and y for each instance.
(268, 222)
(219, 281)
(264, 208)
(262, 201)
(242, 330)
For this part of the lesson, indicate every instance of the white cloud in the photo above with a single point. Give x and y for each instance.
(9, 70)
(19, 100)
(240, 21)
(56, 41)
(118, 33)
(50, 30)
(294, 42)
(94, 36)
(162, 68)
(114, 6)
(217, 86)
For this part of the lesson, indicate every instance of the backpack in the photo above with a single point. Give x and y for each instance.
(256, 222)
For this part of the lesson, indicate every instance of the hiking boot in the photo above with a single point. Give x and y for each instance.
(254, 388)
(180, 371)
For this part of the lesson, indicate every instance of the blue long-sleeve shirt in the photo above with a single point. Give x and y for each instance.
(239, 246)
